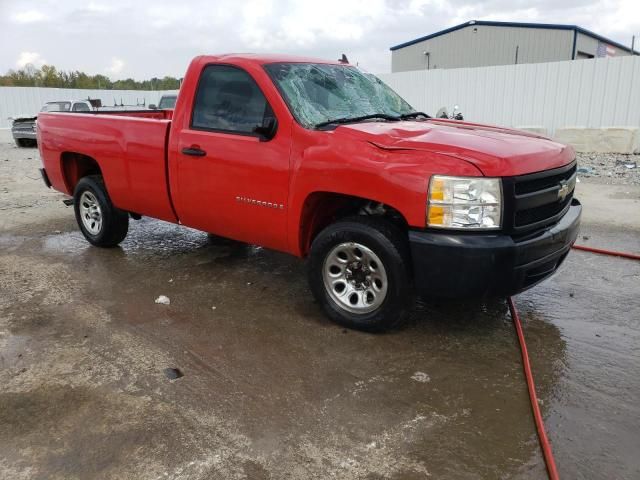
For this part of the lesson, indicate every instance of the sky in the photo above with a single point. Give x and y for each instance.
(153, 38)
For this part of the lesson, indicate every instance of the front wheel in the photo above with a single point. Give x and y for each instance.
(359, 273)
(102, 224)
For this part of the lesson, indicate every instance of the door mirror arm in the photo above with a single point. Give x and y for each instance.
(267, 130)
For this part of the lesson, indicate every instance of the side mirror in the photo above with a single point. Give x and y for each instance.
(267, 130)
(152, 107)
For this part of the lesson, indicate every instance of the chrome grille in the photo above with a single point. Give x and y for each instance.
(22, 127)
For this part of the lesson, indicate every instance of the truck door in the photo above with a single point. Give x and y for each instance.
(231, 180)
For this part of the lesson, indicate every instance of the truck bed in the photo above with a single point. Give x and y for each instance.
(129, 146)
(154, 114)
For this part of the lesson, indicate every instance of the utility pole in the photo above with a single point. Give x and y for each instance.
(633, 42)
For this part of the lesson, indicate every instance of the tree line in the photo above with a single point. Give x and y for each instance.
(49, 76)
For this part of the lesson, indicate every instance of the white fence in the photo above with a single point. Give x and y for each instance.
(19, 101)
(603, 92)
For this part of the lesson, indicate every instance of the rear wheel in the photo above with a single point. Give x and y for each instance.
(359, 273)
(100, 222)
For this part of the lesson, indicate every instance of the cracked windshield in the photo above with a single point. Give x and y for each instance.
(318, 94)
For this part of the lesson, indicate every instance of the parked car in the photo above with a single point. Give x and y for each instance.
(316, 159)
(23, 129)
(167, 102)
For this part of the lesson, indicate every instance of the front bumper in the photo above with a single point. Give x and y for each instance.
(452, 264)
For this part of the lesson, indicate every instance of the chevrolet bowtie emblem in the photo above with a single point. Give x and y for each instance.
(563, 192)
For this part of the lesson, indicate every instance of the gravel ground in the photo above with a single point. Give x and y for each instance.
(609, 168)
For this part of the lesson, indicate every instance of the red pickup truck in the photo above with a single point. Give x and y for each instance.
(321, 160)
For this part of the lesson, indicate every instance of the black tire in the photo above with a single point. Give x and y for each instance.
(115, 223)
(390, 244)
(25, 142)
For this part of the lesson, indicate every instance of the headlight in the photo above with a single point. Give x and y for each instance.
(466, 203)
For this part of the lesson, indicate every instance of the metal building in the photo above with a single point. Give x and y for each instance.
(483, 43)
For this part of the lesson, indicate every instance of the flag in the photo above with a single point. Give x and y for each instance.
(605, 50)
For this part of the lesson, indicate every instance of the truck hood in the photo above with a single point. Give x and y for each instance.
(23, 118)
(494, 151)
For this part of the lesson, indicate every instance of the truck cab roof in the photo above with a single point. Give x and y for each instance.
(262, 59)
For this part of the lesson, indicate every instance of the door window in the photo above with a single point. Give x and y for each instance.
(229, 100)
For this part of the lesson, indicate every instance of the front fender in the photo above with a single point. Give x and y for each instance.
(397, 178)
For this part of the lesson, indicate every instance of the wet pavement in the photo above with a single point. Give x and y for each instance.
(272, 389)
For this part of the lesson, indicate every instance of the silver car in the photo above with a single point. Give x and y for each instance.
(23, 129)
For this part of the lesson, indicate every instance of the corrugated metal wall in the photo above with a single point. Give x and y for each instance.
(18, 101)
(589, 45)
(603, 92)
(482, 45)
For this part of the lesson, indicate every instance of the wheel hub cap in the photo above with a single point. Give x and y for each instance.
(358, 275)
(355, 278)
(90, 213)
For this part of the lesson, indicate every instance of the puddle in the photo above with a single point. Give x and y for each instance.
(267, 359)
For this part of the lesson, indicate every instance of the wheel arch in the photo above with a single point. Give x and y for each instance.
(321, 208)
(75, 166)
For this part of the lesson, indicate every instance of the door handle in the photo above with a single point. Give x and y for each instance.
(194, 152)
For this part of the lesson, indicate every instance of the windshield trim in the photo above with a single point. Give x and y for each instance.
(281, 92)
(313, 128)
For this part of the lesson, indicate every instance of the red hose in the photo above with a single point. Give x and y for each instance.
(526, 365)
(607, 252)
(537, 416)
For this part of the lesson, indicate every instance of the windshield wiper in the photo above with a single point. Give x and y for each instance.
(343, 120)
(407, 116)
